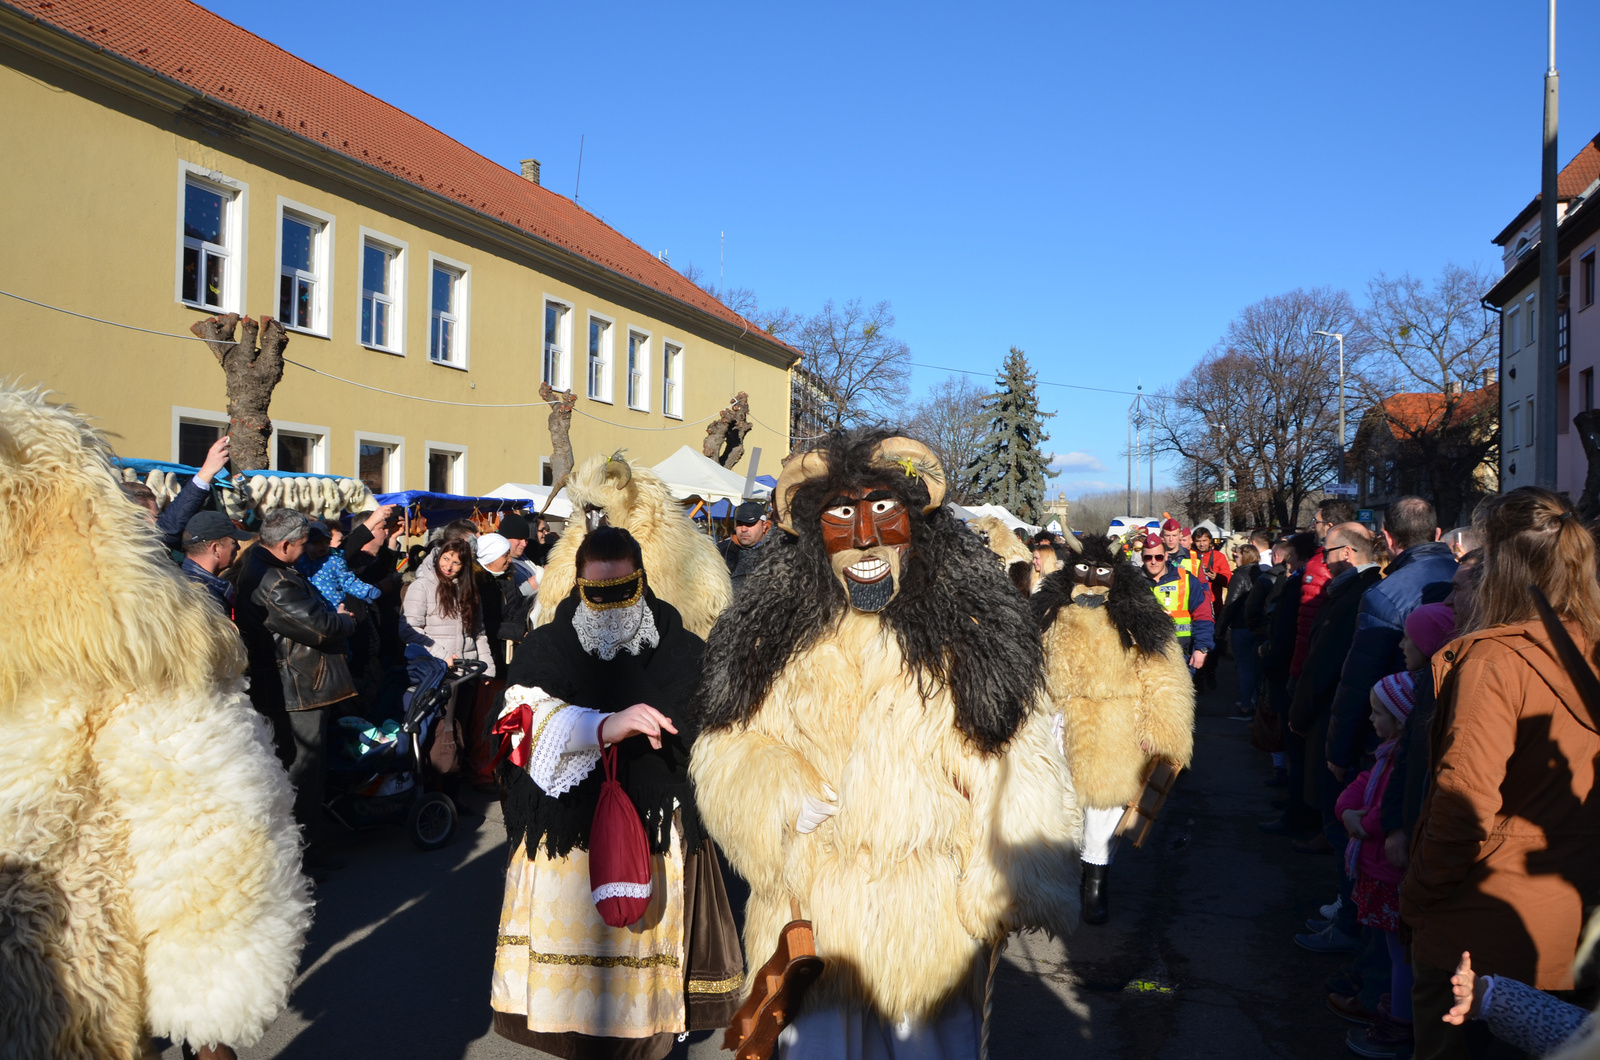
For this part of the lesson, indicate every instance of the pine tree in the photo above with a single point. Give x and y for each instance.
(1010, 468)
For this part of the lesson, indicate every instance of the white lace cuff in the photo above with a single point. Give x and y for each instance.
(620, 890)
(565, 747)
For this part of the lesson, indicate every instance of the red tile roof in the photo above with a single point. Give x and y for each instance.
(230, 65)
(1583, 170)
(1410, 414)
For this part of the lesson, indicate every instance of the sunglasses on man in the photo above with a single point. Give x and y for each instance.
(1154, 557)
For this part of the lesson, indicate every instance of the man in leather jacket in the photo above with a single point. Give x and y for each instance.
(297, 667)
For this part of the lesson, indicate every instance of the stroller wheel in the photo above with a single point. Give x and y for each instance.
(432, 823)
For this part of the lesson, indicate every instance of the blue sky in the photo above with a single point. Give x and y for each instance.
(1102, 185)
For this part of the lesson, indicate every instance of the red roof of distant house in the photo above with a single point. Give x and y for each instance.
(232, 66)
(1410, 414)
(1582, 171)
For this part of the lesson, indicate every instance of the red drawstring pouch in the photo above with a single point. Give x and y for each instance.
(619, 856)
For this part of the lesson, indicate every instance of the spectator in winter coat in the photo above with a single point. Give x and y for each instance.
(1283, 609)
(1419, 574)
(210, 544)
(742, 551)
(505, 605)
(1233, 626)
(1503, 860)
(190, 499)
(515, 529)
(442, 614)
(1330, 513)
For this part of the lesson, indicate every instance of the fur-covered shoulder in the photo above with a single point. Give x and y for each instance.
(1137, 614)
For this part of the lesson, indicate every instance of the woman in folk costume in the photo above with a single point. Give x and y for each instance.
(614, 668)
(1121, 686)
(149, 861)
(872, 750)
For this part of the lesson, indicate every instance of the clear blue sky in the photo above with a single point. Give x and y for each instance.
(1103, 185)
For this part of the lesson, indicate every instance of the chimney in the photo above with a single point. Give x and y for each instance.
(1452, 388)
(1488, 378)
(530, 169)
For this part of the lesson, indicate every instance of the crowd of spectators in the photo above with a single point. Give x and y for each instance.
(1435, 734)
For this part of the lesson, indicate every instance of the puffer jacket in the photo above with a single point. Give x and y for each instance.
(294, 640)
(422, 622)
(1503, 859)
(1314, 579)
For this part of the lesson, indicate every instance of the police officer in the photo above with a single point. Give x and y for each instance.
(1184, 597)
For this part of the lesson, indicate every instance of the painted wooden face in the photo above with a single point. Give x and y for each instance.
(867, 534)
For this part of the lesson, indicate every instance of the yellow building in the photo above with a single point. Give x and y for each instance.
(161, 164)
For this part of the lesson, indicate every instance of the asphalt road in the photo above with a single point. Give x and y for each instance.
(1196, 961)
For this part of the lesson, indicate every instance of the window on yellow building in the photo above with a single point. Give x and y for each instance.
(672, 380)
(600, 359)
(208, 236)
(300, 284)
(448, 316)
(638, 371)
(447, 468)
(557, 344)
(381, 285)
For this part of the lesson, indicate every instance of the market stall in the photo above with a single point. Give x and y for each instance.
(247, 496)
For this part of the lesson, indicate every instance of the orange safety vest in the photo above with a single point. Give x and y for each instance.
(1174, 598)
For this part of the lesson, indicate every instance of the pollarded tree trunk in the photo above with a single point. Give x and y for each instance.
(560, 422)
(252, 372)
(725, 435)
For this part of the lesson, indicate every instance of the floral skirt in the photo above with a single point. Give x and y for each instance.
(1377, 903)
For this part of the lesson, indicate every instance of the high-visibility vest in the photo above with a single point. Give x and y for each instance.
(1174, 598)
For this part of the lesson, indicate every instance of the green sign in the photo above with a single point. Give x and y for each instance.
(1226, 496)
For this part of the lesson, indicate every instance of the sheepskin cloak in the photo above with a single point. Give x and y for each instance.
(938, 848)
(1115, 692)
(149, 861)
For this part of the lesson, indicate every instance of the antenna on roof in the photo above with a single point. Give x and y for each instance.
(579, 181)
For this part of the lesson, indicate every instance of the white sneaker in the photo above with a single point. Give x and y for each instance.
(1331, 910)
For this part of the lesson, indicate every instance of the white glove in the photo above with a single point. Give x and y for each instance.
(814, 811)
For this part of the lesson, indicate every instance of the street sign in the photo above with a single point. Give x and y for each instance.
(1226, 496)
(1363, 515)
(1341, 489)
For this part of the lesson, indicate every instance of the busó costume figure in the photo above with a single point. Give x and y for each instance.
(149, 862)
(873, 750)
(1121, 687)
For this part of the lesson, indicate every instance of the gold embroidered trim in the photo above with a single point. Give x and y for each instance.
(715, 986)
(512, 940)
(540, 732)
(655, 960)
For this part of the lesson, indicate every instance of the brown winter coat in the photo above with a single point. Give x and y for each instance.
(1504, 862)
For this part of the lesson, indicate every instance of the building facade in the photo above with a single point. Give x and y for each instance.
(163, 165)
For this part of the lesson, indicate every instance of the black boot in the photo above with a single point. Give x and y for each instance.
(1093, 894)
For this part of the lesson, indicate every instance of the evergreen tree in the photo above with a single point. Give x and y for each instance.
(1010, 469)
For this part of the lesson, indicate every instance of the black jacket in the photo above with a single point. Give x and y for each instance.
(1331, 635)
(1283, 621)
(741, 560)
(505, 612)
(294, 642)
(1256, 616)
(1239, 587)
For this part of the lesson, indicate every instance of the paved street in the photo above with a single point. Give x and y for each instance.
(1196, 962)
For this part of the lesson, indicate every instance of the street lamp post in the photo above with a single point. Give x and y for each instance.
(1340, 337)
(1227, 479)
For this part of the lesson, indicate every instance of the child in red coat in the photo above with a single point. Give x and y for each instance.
(1377, 887)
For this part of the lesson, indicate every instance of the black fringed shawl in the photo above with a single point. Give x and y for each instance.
(665, 677)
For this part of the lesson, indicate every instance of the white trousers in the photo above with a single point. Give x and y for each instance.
(1099, 834)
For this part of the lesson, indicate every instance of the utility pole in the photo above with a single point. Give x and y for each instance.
(1340, 337)
(1130, 460)
(1227, 478)
(1544, 453)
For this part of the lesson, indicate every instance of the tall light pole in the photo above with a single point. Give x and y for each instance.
(1227, 476)
(1544, 411)
(1340, 337)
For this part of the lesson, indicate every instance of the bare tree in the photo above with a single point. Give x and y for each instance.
(779, 323)
(1272, 383)
(860, 371)
(252, 373)
(950, 420)
(1435, 342)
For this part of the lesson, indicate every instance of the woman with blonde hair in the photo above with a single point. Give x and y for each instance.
(1502, 862)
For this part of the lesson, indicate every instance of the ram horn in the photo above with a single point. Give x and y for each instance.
(796, 473)
(617, 468)
(917, 460)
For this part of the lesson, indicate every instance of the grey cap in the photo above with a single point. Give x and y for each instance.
(212, 526)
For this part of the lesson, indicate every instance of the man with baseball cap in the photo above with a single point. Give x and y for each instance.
(742, 551)
(1184, 597)
(210, 544)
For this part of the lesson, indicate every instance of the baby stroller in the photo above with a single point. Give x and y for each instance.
(389, 772)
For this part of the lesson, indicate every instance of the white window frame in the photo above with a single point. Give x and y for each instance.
(564, 377)
(319, 451)
(636, 387)
(458, 468)
(238, 253)
(461, 315)
(544, 465)
(180, 413)
(1530, 319)
(1531, 431)
(671, 395)
(321, 277)
(400, 251)
(1514, 425)
(607, 388)
(1514, 328)
(395, 473)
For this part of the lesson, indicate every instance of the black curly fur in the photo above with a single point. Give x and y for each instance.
(959, 622)
(1130, 604)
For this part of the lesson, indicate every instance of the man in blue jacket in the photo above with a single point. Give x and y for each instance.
(1419, 573)
(1186, 598)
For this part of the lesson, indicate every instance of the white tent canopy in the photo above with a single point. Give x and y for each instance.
(978, 511)
(688, 473)
(560, 508)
